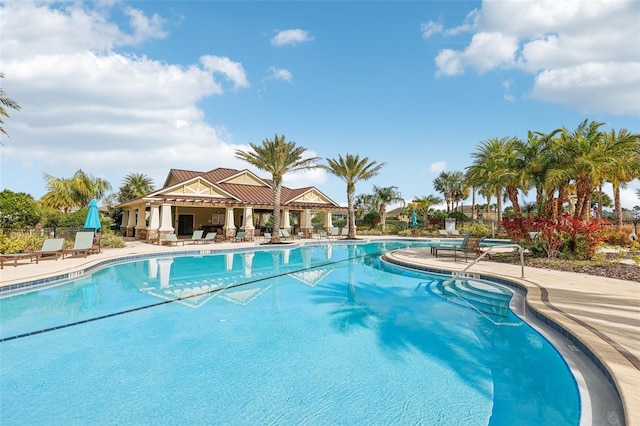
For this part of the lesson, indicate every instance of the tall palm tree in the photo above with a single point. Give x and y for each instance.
(424, 203)
(583, 158)
(136, 185)
(352, 169)
(5, 103)
(452, 186)
(627, 164)
(487, 167)
(277, 157)
(77, 191)
(386, 196)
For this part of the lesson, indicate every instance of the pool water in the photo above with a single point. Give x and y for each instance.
(317, 335)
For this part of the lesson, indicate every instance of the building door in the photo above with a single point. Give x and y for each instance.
(185, 224)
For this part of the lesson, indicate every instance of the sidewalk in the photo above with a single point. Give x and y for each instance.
(603, 314)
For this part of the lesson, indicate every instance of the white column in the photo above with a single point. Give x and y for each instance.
(141, 221)
(132, 218)
(248, 220)
(306, 219)
(125, 218)
(328, 221)
(154, 219)
(286, 221)
(165, 218)
(230, 222)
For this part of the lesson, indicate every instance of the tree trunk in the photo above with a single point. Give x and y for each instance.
(277, 189)
(351, 214)
(616, 203)
(512, 193)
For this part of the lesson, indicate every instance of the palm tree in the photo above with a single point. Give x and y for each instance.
(452, 186)
(487, 167)
(135, 185)
(386, 196)
(584, 159)
(352, 169)
(77, 191)
(8, 103)
(424, 203)
(627, 166)
(277, 157)
(365, 203)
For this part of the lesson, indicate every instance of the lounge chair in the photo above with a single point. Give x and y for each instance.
(51, 247)
(471, 245)
(335, 232)
(300, 235)
(14, 257)
(345, 232)
(455, 233)
(267, 236)
(240, 236)
(196, 237)
(450, 243)
(443, 232)
(322, 234)
(285, 235)
(209, 238)
(83, 245)
(172, 239)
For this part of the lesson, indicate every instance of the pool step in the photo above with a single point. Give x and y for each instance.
(491, 300)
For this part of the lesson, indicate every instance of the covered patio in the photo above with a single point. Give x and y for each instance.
(225, 201)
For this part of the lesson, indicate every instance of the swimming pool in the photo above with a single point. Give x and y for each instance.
(318, 334)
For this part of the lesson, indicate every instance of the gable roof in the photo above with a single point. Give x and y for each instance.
(231, 186)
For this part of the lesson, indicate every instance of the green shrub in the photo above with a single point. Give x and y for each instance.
(110, 239)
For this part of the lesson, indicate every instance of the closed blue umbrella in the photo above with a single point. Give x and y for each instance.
(93, 217)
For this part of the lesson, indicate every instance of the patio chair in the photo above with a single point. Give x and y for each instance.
(172, 239)
(50, 247)
(470, 246)
(196, 237)
(240, 236)
(450, 244)
(83, 245)
(209, 238)
(14, 257)
(284, 234)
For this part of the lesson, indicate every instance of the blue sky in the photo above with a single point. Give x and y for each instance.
(119, 87)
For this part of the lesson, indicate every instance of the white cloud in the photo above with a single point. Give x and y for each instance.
(84, 105)
(583, 48)
(291, 37)
(280, 74)
(437, 167)
(430, 28)
(233, 71)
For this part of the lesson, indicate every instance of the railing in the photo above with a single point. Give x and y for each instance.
(477, 259)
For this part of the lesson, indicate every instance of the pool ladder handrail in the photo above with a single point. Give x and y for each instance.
(458, 274)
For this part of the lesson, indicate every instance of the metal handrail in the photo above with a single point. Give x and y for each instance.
(477, 259)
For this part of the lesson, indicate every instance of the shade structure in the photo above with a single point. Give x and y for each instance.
(93, 216)
(414, 219)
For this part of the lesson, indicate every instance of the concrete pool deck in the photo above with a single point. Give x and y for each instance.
(602, 314)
